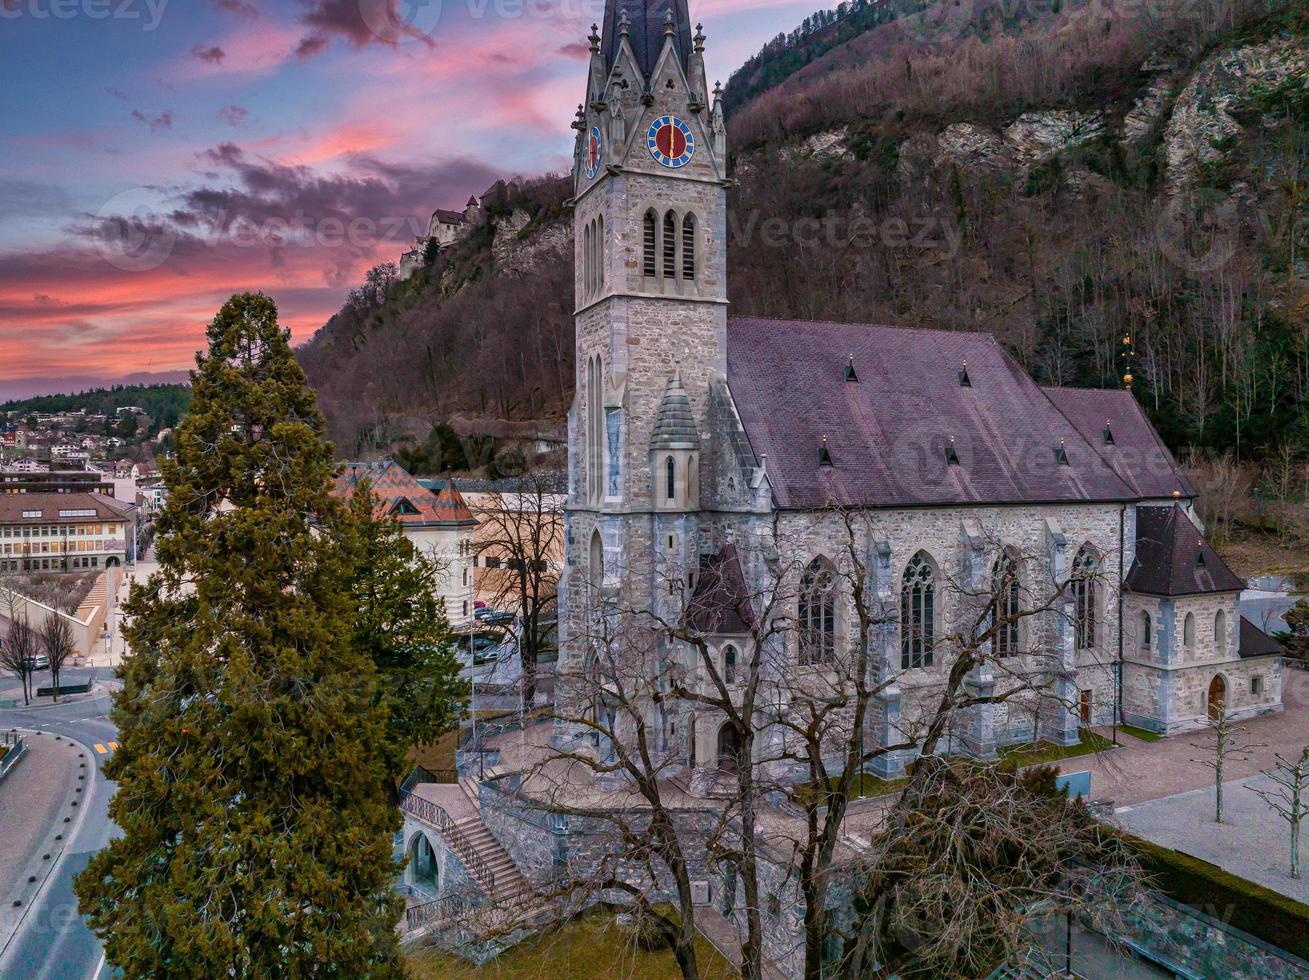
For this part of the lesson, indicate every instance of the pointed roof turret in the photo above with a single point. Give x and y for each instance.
(647, 20)
(675, 428)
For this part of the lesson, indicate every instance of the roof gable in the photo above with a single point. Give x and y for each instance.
(1173, 559)
(720, 604)
(1256, 643)
(890, 430)
(1116, 426)
(403, 498)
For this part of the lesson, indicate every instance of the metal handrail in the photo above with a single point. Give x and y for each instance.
(431, 813)
(419, 916)
(420, 774)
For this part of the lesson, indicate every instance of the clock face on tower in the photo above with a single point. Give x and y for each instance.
(671, 141)
(594, 154)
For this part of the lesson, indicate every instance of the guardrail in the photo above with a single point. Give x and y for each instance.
(432, 814)
(420, 774)
(421, 916)
(16, 747)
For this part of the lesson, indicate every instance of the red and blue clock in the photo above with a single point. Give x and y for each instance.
(671, 141)
(594, 154)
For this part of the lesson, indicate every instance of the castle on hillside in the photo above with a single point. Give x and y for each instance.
(444, 228)
(711, 459)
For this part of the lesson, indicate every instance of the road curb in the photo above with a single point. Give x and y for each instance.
(74, 828)
(99, 690)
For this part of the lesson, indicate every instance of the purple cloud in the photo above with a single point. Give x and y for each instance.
(238, 7)
(156, 123)
(214, 55)
(234, 115)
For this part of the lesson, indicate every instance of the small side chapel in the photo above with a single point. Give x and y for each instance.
(698, 441)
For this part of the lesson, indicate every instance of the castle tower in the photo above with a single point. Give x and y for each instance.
(650, 219)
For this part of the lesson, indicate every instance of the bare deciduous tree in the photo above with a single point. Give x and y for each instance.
(56, 637)
(1287, 798)
(1230, 743)
(797, 723)
(18, 653)
(970, 856)
(520, 541)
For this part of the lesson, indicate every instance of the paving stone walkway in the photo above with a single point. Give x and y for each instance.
(1141, 771)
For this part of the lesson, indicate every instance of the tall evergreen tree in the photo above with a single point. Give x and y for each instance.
(402, 626)
(256, 833)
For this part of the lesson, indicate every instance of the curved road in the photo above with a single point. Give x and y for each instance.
(53, 943)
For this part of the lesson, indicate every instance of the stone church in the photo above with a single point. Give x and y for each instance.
(696, 435)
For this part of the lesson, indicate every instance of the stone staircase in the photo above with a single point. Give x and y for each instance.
(510, 885)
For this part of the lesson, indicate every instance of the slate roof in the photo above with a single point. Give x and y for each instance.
(1173, 559)
(721, 602)
(1132, 447)
(403, 497)
(50, 506)
(646, 33)
(889, 432)
(450, 217)
(675, 428)
(1256, 643)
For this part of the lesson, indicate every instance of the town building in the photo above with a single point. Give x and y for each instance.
(63, 532)
(437, 523)
(56, 481)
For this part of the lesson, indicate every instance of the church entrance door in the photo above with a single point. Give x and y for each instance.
(1217, 697)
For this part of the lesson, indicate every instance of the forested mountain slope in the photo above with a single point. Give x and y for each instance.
(1065, 177)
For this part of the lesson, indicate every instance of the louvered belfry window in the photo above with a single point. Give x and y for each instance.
(649, 267)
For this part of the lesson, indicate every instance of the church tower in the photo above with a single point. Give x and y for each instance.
(650, 220)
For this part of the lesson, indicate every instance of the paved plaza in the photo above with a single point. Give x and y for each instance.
(1253, 841)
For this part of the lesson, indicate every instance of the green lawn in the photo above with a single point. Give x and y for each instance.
(592, 948)
(867, 786)
(1144, 734)
(1044, 753)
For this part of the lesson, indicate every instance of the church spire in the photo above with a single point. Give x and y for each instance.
(648, 24)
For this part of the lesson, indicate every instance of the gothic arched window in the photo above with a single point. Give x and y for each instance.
(649, 242)
(595, 429)
(918, 613)
(670, 478)
(688, 248)
(1086, 571)
(670, 246)
(601, 249)
(1188, 631)
(1145, 631)
(1006, 593)
(586, 262)
(729, 664)
(596, 571)
(1220, 631)
(817, 614)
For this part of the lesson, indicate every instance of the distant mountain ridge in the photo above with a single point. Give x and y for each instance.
(1062, 175)
(23, 388)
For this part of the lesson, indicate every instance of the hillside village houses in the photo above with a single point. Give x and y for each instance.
(710, 460)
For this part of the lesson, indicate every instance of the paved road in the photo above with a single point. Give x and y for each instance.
(1267, 610)
(53, 943)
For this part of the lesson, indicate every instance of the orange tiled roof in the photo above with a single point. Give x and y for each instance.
(404, 498)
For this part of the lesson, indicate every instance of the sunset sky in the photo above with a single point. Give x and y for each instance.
(229, 142)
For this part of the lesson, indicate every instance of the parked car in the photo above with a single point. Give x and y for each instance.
(40, 661)
(485, 645)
